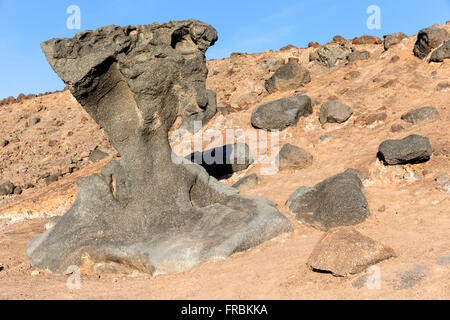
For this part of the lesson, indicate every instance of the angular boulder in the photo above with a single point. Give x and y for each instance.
(334, 112)
(344, 251)
(358, 55)
(294, 158)
(441, 53)
(331, 55)
(282, 113)
(421, 114)
(393, 39)
(428, 39)
(411, 149)
(287, 77)
(336, 201)
(150, 211)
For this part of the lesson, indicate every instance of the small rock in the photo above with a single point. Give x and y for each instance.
(352, 75)
(382, 208)
(421, 114)
(6, 188)
(287, 77)
(393, 39)
(282, 113)
(412, 149)
(358, 55)
(442, 178)
(325, 138)
(395, 59)
(443, 86)
(224, 111)
(34, 121)
(343, 251)
(52, 143)
(313, 44)
(293, 157)
(3, 143)
(334, 112)
(17, 190)
(331, 55)
(397, 127)
(366, 39)
(446, 187)
(247, 182)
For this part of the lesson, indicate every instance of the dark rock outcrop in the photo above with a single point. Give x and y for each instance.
(150, 211)
(441, 53)
(282, 113)
(429, 39)
(336, 201)
(412, 149)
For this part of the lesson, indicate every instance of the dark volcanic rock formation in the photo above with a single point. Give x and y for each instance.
(429, 39)
(146, 211)
(336, 201)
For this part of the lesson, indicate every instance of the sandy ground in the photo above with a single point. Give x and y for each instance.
(415, 221)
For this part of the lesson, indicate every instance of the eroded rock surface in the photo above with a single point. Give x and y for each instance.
(150, 211)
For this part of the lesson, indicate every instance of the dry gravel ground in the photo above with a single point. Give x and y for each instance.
(410, 215)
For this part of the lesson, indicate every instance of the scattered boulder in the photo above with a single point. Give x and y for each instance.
(429, 39)
(331, 55)
(223, 161)
(370, 119)
(289, 76)
(35, 120)
(6, 188)
(441, 53)
(358, 55)
(352, 75)
(396, 127)
(393, 39)
(442, 178)
(3, 143)
(344, 251)
(293, 157)
(282, 113)
(338, 39)
(334, 112)
(336, 201)
(271, 64)
(421, 114)
(150, 211)
(247, 182)
(411, 149)
(313, 44)
(366, 39)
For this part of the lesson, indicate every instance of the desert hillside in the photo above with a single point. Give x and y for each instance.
(49, 141)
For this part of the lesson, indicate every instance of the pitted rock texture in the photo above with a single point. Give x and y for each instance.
(336, 201)
(150, 211)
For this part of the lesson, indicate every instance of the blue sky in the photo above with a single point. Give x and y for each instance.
(243, 26)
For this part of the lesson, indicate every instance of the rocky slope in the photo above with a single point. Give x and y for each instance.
(48, 141)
